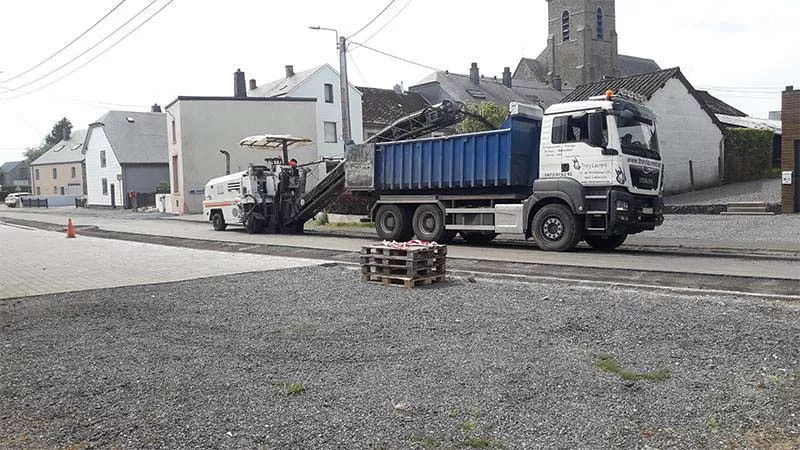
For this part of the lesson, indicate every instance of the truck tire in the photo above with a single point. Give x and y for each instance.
(253, 226)
(428, 224)
(478, 237)
(555, 229)
(218, 221)
(393, 223)
(605, 243)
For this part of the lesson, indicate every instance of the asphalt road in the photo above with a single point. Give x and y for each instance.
(312, 358)
(683, 263)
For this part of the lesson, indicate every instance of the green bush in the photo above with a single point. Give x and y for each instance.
(748, 154)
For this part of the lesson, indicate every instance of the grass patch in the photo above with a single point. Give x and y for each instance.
(477, 442)
(612, 365)
(426, 442)
(712, 424)
(301, 329)
(289, 389)
(469, 425)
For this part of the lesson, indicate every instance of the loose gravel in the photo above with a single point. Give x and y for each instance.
(767, 191)
(311, 358)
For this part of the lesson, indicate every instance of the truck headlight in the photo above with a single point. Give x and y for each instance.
(623, 206)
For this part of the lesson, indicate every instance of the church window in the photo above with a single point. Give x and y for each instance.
(600, 23)
(565, 26)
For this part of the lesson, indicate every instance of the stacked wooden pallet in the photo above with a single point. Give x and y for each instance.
(407, 266)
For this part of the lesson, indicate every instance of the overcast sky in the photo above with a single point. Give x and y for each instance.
(740, 49)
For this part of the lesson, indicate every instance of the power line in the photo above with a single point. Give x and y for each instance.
(397, 57)
(87, 51)
(373, 19)
(66, 46)
(94, 57)
(389, 21)
(363, 78)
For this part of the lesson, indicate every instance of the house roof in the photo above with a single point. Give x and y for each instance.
(135, 137)
(384, 106)
(65, 151)
(751, 122)
(632, 65)
(533, 67)
(285, 86)
(9, 166)
(646, 85)
(460, 88)
(718, 106)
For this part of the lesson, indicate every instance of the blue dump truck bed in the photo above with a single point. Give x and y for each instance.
(504, 158)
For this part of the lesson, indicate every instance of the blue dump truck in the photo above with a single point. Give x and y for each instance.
(586, 171)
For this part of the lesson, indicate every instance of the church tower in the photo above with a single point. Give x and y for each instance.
(582, 42)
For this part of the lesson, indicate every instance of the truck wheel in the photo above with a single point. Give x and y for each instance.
(392, 223)
(605, 243)
(218, 221)
(253, 226)
(478, 237)
(428, 223)
(555, 229)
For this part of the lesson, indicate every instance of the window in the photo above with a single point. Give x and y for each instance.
(476, 93)
(55, 173)
(174, 133)
(55, 190)
(38, 190)
(102, 158)
(37, 174)
(330, 132)
(62, 190)
(565, 26)
(175, 185)
(77, 146)
(600, 23)
(573, 129)
(105, 186)
(72, 172)
(328, 93)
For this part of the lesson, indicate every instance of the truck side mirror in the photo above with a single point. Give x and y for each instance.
(596, 137)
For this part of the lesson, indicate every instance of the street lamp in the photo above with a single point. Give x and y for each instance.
(344, 86)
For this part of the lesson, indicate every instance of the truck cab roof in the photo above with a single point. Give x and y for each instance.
(587, 105)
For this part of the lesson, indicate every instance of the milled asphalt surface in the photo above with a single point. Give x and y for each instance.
(767, 191)
(208, 363)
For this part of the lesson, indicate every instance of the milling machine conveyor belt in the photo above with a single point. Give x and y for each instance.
(318, 198)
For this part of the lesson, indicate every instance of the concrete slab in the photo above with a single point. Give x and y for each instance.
(46, 262)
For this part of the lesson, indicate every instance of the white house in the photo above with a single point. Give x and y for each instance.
(199, 127)
(321, 83)
(690, 135)
(125, 151)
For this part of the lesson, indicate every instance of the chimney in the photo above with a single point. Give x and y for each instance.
(507, 77)
(155, 108)
(65, 134)
(289, 71)
(474, 74)
(239, 87)
(789, 88)
(253, 84)
(556, 82)
(398, 89)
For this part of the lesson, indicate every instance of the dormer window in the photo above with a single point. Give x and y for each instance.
(600, 23)
(565, 26)
(130, 119)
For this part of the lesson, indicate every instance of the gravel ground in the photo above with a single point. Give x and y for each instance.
(767, 191)
(333, 363)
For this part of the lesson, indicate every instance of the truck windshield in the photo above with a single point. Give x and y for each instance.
(638, 137)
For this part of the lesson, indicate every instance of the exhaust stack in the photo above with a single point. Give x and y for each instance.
(227, 162)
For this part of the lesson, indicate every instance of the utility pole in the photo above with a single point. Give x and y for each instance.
(344, 86)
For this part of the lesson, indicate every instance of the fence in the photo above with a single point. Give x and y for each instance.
(34, 202)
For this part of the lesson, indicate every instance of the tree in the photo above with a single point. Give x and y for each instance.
(55, 136)
(482, 117)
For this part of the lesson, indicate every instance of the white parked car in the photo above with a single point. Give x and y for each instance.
(13, 199)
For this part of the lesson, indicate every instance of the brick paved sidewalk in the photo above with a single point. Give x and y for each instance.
(44, 262)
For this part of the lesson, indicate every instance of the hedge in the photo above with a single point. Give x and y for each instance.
(748, 154)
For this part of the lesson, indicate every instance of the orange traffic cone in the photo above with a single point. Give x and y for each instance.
(70, 229)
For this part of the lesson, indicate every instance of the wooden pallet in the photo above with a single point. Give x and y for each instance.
(408, 282)
(409, 267)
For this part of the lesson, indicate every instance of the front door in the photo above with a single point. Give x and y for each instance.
(113, 196)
